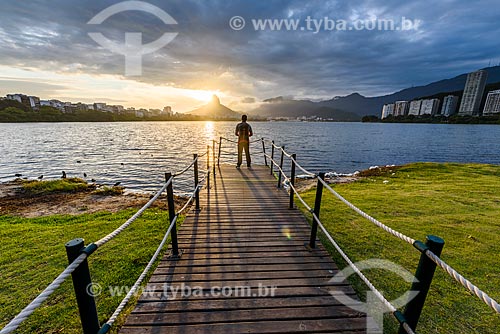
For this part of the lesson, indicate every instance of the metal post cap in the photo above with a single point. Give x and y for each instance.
(74, 243)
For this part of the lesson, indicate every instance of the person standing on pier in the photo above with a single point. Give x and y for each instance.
(244, 132)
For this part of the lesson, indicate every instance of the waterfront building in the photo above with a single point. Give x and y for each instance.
(430, 107)
(473, 93)
(492, 105)
(167, 111)
(34, 103)
(414, 108)
(99, 106)
(401, 108)
(450, 104)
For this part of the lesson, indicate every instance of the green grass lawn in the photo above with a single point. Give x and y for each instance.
(458, 202)
(33, 254)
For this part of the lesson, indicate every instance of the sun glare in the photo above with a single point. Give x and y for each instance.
(202, 95)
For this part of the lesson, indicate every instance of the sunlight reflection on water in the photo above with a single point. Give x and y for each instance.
(138, 154)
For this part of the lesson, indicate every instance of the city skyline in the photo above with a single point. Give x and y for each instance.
(46, 51)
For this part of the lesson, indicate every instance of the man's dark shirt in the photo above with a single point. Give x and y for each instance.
(244, 132)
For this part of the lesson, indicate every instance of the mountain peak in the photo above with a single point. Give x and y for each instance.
(215, 110)
(215, 100)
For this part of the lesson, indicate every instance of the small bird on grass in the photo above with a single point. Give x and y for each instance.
(63, 175)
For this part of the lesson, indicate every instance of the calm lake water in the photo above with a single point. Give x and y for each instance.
(138, 154)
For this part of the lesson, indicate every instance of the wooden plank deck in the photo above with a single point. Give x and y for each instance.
(245, 236)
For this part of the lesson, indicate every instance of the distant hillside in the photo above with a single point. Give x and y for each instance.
(361, 105)
(5, 103)
(283, 107)
(215, 110)
(345, 107)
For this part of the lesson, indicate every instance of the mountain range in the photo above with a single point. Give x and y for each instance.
(355, 106)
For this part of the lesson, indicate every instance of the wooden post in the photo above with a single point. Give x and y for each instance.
(197, 193)
(281, 165)
(317, 206)
(292, 180)
(424, 274)
(171, 215)
(213, 156)
(220, 147)
(82, 284)
(264, 151)
(272, 157)
(208, 167)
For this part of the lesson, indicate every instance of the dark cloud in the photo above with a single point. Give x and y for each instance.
(455, 37)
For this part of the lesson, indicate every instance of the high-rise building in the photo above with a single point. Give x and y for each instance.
(415, 107)
(473, 93)
(34, 102)
(450, 104)
(492, 105)
(387, 110)
(401, 108)
(430, 107)
(167, 111)
(99, 106)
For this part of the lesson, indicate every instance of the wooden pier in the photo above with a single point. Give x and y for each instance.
(244, 268)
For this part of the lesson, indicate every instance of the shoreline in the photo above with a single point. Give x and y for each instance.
(16, 201)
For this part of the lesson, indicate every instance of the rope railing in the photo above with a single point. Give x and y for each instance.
(377, 293)
(369, 284)
(195, 160)
(386, 228)
(492, 303)
(42, 297)
(286, 178)
(107, 326)
(423, 248)
(120, 229)
(89, 249)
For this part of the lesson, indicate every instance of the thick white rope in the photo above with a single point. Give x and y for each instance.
(187, 168)
(28, 310)
(359, 273)
(353, 266)
(137, 283)
(186, 204)
(367, 216)
(134, 288)
(286, 178)
(120, 229)
(301, 168)
(229, 140)
(37, 302)
(465, 282)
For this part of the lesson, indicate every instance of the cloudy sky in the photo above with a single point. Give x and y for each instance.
(46, 50)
